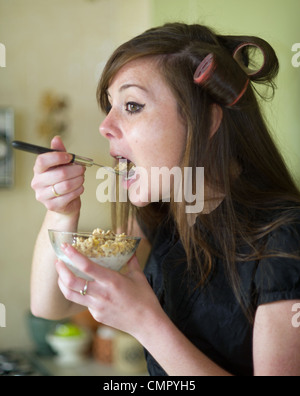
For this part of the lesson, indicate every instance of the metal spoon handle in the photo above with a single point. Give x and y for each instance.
(76, 159)
(34, 149)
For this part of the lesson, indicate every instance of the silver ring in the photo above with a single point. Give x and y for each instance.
(84, 291)
(54, 192)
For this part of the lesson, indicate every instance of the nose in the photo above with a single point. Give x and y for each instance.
(109, 127)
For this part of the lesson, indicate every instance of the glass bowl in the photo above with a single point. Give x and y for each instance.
(105, 249)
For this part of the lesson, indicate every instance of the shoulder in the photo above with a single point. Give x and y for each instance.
(278, 272)
(276, 340)
(277, 282)
(289, 224)
(284, 239)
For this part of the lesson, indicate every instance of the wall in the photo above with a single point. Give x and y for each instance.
(59, 45)
(62, 45)
(276, 22)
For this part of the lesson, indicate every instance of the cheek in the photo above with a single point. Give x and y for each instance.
(170, 141)
(166, 149)
(140, 190)
(152, 185)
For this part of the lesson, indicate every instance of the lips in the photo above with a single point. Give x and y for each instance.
(118, 156)
(124, 165)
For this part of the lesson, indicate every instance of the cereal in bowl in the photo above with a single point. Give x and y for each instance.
(104, 244)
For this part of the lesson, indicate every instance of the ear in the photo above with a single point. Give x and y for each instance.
(216, 118)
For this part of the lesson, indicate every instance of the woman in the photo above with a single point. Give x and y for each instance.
(220, 288)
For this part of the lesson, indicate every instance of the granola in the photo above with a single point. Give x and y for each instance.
(124, 166)
(104, 244)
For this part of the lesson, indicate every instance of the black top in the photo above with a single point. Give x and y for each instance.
(211, 317)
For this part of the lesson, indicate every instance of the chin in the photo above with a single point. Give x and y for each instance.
(139, 200)
(139, 204)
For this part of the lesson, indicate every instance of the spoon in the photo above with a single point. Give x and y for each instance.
(77, 159)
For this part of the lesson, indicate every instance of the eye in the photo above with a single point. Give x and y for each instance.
(108, 108)
(133, 108)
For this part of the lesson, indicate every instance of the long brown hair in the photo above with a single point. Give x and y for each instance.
(263, 196)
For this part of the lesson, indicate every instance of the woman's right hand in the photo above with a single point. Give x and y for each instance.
(54, 173)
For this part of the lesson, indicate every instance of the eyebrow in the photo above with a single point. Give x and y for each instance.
(127, 86)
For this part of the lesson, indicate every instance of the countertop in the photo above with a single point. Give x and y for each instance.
(88, 367)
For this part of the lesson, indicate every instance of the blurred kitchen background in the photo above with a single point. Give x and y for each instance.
(55, 52)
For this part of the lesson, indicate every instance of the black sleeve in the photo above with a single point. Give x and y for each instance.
(278, 278)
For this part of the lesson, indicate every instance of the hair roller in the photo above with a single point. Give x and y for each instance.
(239, 56)
(205, 69)
(222, 78)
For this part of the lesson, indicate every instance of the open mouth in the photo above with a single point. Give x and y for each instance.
(125, 167)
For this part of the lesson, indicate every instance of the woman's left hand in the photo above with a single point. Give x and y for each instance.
(122, 301)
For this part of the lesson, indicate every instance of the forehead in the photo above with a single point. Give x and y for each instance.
(144, 72)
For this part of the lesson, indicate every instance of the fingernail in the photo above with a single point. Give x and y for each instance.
(64, 246)
(69, 157)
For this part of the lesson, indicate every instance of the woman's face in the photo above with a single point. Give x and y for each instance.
(144, 126)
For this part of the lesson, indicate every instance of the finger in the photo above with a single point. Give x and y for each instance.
(87, 266)
(133, 264)
(72, 286)
(73, 283)
(93, 304)
(74, 296)
(57, 144)
(68, 278)
(51, 160)
(57, 175)
(63, 202)
(62, 188)
(42, 162)
(63, 173)
(44, 193)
